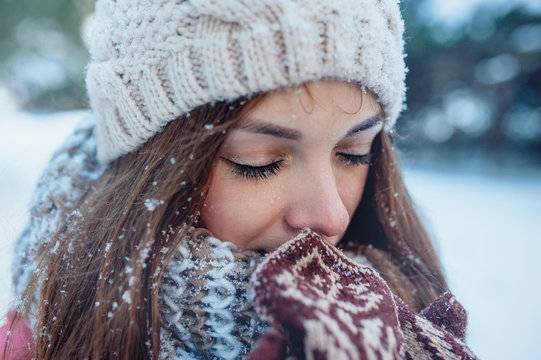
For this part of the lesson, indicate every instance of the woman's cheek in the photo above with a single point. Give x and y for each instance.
(240, 210)
(351, 187)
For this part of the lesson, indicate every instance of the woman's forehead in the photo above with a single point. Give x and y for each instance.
(326, 103)
(323, 93)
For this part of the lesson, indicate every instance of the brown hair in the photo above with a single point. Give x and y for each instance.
(386, 220)
(111, 260)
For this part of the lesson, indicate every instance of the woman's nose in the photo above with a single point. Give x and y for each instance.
(318, 205)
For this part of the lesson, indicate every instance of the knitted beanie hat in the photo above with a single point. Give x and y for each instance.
(155, 60)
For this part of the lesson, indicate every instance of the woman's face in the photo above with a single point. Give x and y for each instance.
(299, 159)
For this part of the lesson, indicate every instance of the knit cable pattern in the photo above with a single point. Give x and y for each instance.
(155, 60)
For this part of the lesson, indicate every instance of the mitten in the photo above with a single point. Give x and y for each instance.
(325, 305)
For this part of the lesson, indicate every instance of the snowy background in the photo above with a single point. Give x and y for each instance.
(487, 230)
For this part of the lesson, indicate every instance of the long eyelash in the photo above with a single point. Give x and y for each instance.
(349, 159)
(255, 172)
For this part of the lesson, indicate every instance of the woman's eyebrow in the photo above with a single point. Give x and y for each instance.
(265, 128)
(365, 125)
(260, 127)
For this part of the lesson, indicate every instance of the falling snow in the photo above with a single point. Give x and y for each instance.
(152, 204)
(463, 233)
(126, 297)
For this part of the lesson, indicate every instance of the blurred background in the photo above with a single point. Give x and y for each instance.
(470, 142)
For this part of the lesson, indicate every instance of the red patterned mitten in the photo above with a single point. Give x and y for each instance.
(437, 333)
(447, 313)
(324, 304)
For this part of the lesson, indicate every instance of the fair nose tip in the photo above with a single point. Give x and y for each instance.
(326, 215)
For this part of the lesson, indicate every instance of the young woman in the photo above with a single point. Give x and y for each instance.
(221, 131)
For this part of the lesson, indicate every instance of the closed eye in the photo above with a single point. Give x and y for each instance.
(247, 171)
(352, 160)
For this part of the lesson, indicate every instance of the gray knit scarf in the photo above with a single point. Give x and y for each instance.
(210, 310)
(206, 313)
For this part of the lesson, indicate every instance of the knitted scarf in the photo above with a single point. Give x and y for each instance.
(305, 300)
(206, 313)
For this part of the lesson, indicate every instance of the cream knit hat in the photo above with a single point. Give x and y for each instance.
(154, 60)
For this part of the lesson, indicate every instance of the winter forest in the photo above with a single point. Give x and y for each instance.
(470, 142)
